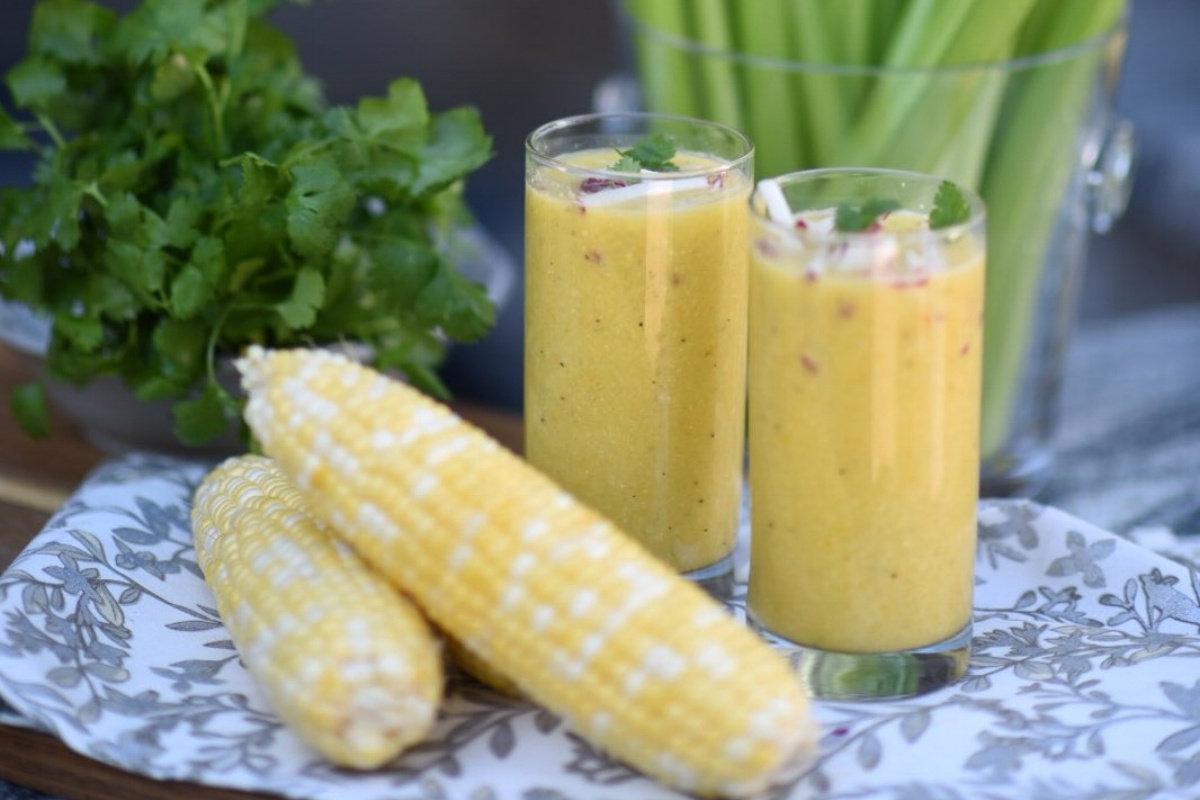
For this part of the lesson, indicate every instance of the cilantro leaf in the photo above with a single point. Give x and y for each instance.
(654, 152)
(456, 141)
(68, 30)
(182, 222)
(205, 417)
(456, 304)
(402, 113)
(399, 270)
(308, 293)
(83, 331)
(172, 78)
(852, 217)
(154, 30)
(188, 292)
(626, 163)
(123, 215)
(416, 352)
(107, 297)
(141, 270)
(56, 217)
(950, 206)
(35, 82)
(260, 185)
(11, 135)
(317, 205)
(28, 405)
(183, 343)
(178, 359)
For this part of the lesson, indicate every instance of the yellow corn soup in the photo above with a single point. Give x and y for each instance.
(864, 445)
(635, 344)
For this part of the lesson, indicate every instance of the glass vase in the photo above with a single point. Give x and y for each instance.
(1037, 137)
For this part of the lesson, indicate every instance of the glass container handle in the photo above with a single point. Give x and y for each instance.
(1110, 178)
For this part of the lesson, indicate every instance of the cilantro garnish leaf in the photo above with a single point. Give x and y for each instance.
(216, 199)
(654, 152)
(950, 206)
(851, 217)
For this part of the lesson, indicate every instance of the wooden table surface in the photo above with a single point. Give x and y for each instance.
(35, 478)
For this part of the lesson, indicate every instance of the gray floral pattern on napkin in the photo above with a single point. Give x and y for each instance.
(1083, 684)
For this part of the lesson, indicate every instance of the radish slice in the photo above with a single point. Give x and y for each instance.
(777, 205)
(647, 188)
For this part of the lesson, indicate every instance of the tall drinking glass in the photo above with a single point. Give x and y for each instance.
(865, 387)
(635, 327)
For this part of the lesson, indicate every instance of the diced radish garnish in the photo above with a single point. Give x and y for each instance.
(778, 209)
(647, 188)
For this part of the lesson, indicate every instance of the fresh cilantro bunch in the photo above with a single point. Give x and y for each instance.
(193, 193)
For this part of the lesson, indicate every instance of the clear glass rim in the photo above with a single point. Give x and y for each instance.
(535, 151)
(973, 224)
(1096, 42)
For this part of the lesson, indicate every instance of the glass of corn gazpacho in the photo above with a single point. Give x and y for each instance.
(866, 321)
(635, 326)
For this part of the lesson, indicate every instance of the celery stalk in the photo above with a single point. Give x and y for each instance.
(665, 70)
(925, 32)
(1054, 24)
(1023, 187)
(771, 111)
(720, 91)
(825, 95)
(885, 17)
(1027, 173)
(989, 33)
(964, 151)
(913, 116)
(854, 24)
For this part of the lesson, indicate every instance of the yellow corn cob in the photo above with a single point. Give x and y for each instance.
(347, 662)
(637, 659)
(479, 669)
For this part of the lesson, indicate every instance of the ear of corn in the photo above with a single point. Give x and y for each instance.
(582, 619)
(480, 669)
(346, 661)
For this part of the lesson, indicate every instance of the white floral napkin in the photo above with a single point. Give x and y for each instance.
(1085, 679)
